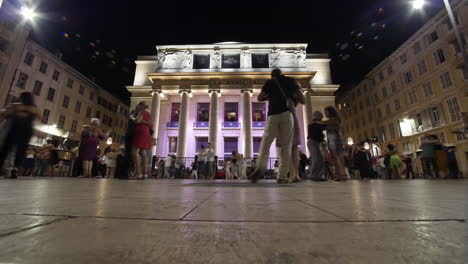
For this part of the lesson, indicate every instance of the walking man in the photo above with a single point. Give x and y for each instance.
(282, 94)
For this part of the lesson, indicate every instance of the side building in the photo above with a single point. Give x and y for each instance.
(66, 98)
(14, 32)
(418, 90)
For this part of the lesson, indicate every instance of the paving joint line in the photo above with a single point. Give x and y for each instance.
(63, 218)
(198, 205)
(316, 207)
(67, 217)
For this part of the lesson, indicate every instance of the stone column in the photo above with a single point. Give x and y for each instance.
(307, 110)
(183, 122)
(308, 107)
(247, 123)
(213, 137)
(155, 106)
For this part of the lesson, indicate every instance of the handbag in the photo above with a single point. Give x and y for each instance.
(290, 105)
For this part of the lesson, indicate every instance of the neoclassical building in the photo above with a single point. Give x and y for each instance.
(208, 93)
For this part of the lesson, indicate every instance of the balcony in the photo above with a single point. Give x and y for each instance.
(172, 124)
(201, 124)
(258, 124)
(232, 124)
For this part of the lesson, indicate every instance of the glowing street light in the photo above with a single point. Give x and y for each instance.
(28, 13)
(418, 4)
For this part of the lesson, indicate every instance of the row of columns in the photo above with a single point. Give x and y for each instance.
(213, 122)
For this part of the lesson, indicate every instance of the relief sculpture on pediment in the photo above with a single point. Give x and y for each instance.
(293, 58)
(175, 59)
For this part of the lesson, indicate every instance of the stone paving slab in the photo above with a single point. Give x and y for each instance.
(260, 211)
(126, 241)
(10, 223)
(66, 220)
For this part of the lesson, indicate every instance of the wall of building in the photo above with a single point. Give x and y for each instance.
(375, 93)
(13, 34)
(82, 91)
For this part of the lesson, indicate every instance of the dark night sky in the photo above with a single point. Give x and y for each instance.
(120, 30)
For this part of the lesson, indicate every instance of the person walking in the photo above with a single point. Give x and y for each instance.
(142, 141)
(282, 93)
(315, 140)
(18, 129)
(90, 136)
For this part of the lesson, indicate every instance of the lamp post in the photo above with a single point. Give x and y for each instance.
(28, 14)
(419, 4)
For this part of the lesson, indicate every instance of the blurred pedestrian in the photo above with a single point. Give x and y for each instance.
(18, 128)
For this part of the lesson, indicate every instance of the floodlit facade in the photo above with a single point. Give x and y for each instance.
(207, 93)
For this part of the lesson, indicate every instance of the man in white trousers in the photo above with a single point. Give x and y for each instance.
(280, 122)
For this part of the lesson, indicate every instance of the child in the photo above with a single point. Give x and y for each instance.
(110, 159)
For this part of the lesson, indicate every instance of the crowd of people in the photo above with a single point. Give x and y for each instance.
(16, 130)
(329, 159)
(434, 160)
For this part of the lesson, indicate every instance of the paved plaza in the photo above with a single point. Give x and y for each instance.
(69, 220)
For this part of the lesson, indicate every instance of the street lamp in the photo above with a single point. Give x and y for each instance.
(28, 13)
(418, 4)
